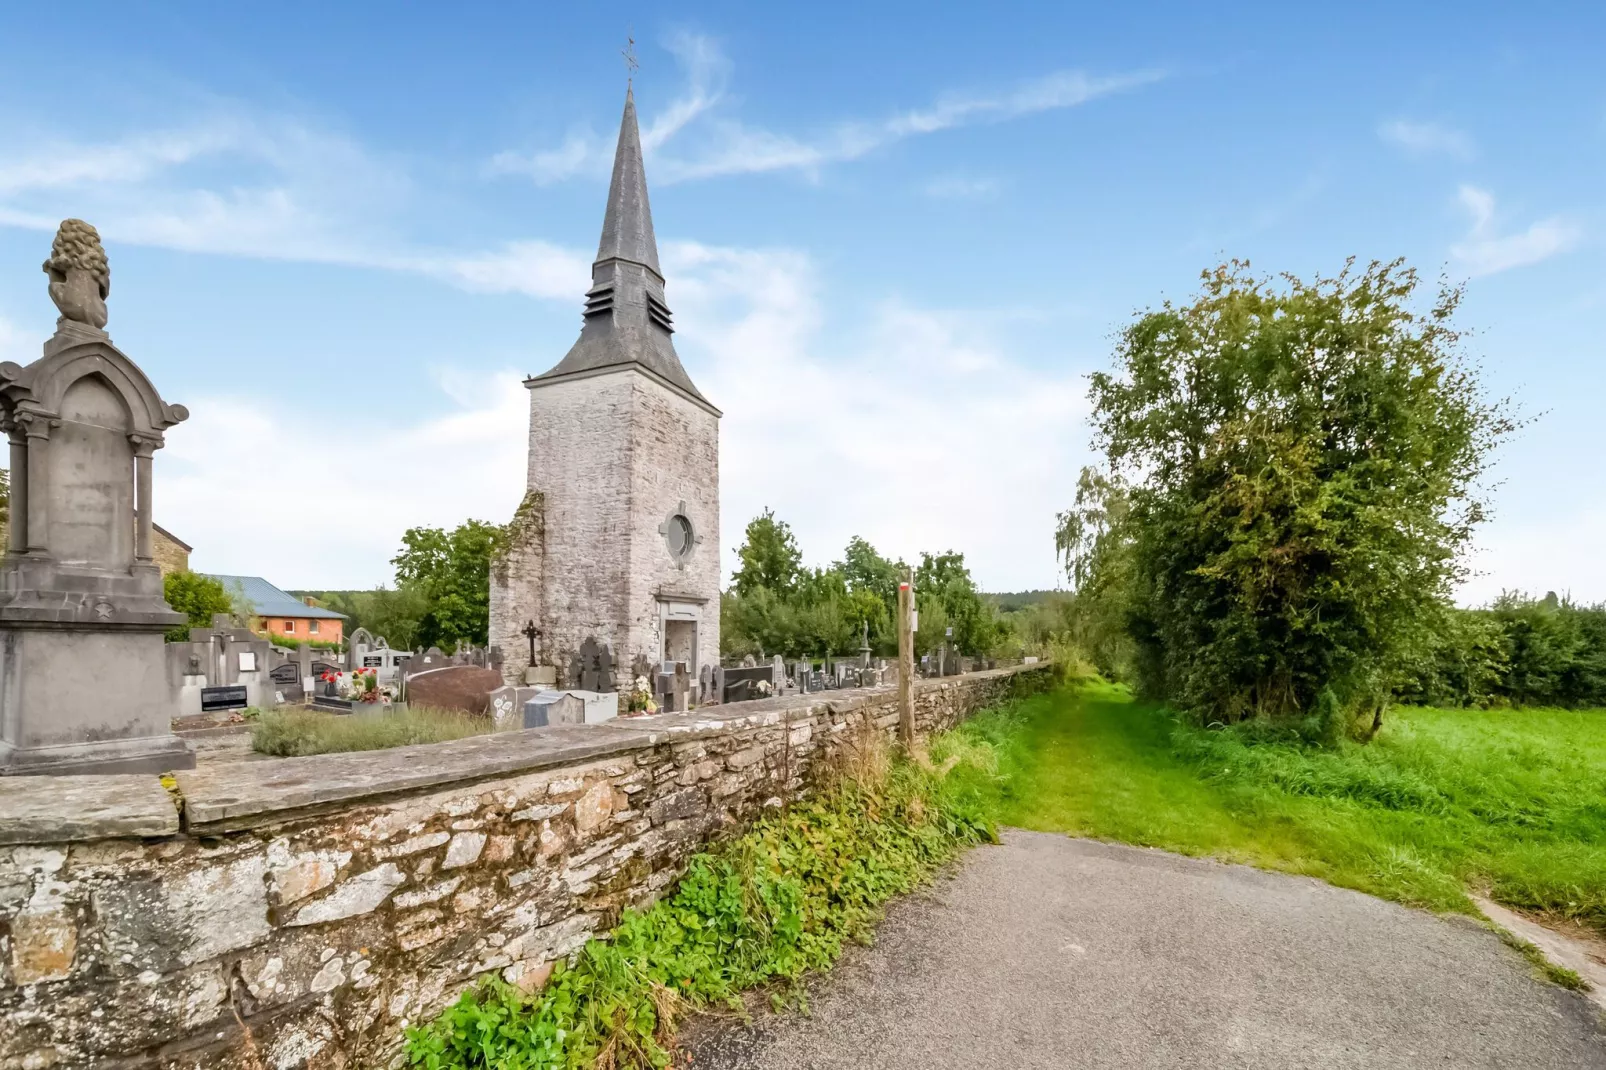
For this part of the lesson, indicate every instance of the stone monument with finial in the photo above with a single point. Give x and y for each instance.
(83, 679)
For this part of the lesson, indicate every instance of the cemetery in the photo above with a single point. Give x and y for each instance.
(216, 912)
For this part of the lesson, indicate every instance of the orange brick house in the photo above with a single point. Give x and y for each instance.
(279, 613)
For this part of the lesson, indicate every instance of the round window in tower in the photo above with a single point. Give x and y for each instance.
(680, 538)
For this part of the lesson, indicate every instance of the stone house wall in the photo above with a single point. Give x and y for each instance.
(300, 912)
(169, 554)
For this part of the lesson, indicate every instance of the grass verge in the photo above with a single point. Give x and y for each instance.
(1512, 800)
(294, 733)
(762, 910)
(1543, 967)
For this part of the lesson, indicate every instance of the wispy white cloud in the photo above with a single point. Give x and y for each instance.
(1427, 138)
(961, 188)
(533, 268)
(469, 461)
(59, 164)
(707, 71)
(294, 192)
(852, 436)
(583, 151)
(722, 145)
(730, 147)
(1484, 251)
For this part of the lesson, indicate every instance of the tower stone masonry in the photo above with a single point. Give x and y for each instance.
(617, 537)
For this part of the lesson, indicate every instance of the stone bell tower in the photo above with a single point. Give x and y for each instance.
(617, 538)
(83, 673)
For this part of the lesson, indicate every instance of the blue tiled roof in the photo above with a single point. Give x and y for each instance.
(268, 601)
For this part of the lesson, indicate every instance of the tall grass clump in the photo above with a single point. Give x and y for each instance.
(762, 910)
(294, 733)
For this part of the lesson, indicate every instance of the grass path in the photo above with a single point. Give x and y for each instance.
(1511, 803)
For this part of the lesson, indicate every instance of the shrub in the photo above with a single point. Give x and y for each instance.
(196, 596)
(295, 732)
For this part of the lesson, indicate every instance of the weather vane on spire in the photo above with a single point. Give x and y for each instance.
(629, 53)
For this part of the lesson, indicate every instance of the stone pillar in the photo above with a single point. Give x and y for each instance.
(38, 432)
(19, 492)
(143, 448)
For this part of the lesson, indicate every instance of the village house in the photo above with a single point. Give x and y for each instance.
(171, 553)
(277, 612)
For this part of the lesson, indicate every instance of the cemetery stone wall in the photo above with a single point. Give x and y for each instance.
(300, 912)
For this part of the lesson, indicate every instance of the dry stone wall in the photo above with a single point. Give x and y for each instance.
(299, 913)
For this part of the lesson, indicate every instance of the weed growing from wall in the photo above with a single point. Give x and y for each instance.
(763, 910)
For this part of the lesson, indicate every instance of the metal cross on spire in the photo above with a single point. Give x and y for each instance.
(629, 53)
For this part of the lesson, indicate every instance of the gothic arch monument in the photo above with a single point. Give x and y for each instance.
(83, 677)
(617, 538)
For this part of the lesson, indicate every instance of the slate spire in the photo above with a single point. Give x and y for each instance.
(627, 225)
(627, 317)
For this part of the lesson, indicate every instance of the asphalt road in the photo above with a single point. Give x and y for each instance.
(1056, 952)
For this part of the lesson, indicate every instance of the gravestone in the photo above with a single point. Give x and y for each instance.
(286, 680)
(553, 708)
(591, 668)
(506, 705)
(680, 687)
(465, 688)
(741, 684)
(84, 671)
(708, 694)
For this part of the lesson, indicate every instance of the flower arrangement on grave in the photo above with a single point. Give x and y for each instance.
(639, 699)
(762, 687)
(359, 685)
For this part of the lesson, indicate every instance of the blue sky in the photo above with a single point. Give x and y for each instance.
(896, 240)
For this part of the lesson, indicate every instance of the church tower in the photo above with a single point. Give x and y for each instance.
(617, 538)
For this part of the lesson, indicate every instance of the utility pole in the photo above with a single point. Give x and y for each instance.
(906, 661)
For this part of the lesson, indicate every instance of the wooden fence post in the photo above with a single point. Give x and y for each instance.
(906, 662)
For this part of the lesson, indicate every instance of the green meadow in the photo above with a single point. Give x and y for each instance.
(1511, 803)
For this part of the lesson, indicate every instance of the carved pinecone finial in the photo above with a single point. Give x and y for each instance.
(80, 278)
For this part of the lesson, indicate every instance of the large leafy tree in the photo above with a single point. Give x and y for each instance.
(943, 583)
(449, 573)
(769, 557)
(1298, 466)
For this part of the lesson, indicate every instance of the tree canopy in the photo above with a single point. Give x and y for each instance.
(1292, 473)
(448, 573)
(769, 557)
(778, 605)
